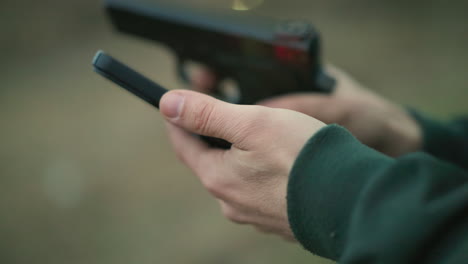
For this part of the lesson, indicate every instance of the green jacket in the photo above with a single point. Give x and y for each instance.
(350, 203)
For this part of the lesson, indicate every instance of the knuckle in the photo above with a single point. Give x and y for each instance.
(219, 188)
(202, 117)
(215, 188)
(180, 156)
(232, 215)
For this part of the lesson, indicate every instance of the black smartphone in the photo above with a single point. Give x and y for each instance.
(140, 86)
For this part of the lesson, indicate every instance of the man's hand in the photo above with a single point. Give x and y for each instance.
(250, 179)
(376, 122)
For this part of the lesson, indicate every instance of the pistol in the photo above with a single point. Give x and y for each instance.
(265, 57)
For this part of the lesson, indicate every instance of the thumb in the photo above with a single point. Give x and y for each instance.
(207, 116)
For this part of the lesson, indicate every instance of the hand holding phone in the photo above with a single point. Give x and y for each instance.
(140, 86)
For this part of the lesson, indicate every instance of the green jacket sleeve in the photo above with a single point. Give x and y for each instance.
(447, 141)
(350, 203)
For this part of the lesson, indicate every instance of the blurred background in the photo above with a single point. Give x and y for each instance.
(87, 174)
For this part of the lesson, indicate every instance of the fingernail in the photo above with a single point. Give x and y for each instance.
(173, 104)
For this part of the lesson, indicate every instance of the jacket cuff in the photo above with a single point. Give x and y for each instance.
(443, 140)
(325, 184)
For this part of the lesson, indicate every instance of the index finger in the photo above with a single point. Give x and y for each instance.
(203, 79)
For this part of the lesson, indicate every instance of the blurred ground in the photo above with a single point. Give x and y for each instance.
(87, 175)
